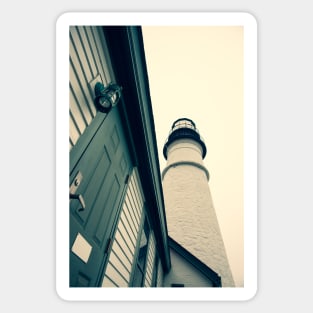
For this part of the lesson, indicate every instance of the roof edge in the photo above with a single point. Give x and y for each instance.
(203, 268)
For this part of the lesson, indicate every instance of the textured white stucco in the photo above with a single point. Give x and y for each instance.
(190, 213)
(183, 150)
(183, 272)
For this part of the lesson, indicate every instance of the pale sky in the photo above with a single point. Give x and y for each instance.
(197, 72)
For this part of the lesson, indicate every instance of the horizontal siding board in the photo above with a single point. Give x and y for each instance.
(93, 50)
(88, 52)
(130, 209)
(134, 196)
(120, 267)
(74, 132)
(127, 231)
(138, 187)
(76, 113)
(89, 57)
(150, 261)
(81, 53)
(131, 220)
(100, 55)
(81, 72)
(116, 276)
(96, 48)
(136, 204)
(128, 223)
(125, 241)
(108, 283)
(120, 246)
(159, 275)
(78, 90)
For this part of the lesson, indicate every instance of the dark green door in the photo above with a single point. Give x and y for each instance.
(97, 184)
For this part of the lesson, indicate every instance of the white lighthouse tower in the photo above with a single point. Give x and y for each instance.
(190, 213)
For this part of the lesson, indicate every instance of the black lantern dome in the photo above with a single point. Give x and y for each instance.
(181, 129)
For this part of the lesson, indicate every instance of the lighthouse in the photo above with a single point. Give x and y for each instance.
(190, 213)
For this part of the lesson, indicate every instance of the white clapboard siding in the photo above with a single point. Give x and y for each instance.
(159, 275)
(121, 258)
(88, 59)
(150, 261)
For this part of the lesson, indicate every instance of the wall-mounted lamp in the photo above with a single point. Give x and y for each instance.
(107, 97)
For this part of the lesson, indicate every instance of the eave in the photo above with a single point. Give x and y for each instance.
(128, 58)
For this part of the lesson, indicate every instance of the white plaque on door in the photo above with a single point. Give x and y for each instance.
(81, 248)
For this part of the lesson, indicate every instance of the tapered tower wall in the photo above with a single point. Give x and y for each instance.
(190, 212)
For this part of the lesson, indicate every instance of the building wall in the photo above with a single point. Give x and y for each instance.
(191, 216)
(184, 273)
(121, 251)
(88, 61)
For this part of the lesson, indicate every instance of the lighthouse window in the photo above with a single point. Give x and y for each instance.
(184, 123)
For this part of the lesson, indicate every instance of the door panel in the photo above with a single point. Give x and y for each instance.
(103, 168)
